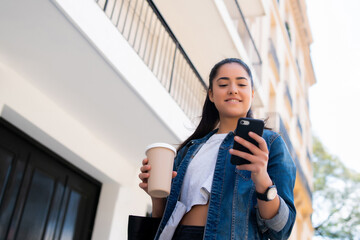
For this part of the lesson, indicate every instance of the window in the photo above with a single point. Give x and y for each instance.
(42, 196)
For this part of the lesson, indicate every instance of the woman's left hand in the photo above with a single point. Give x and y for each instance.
(258, 160)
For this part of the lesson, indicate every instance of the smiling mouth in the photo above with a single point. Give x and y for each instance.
(232, 100)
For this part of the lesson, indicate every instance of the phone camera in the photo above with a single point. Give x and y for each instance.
(244, 122)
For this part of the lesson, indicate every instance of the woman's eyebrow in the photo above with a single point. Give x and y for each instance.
(226, 78)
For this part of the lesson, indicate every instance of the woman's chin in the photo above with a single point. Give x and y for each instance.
(233, 116)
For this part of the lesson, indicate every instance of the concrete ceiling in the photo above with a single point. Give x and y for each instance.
(201, 31)
(41, 45)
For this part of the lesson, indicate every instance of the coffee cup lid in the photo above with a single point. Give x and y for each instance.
(164, 145)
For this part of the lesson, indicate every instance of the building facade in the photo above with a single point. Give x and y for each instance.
(86, 85)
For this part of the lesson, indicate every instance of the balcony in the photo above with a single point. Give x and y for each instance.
(254, 8)
(288, 95)
(273, 53)
(287, 26)
(142, 25)
(308, 155)
(298, 67)
(235, 10)
(299, 126)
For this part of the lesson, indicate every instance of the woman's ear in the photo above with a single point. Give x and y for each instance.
(211, 95)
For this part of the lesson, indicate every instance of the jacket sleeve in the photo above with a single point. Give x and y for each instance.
(282, 171)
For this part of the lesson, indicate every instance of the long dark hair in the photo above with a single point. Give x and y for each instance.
(210, 115)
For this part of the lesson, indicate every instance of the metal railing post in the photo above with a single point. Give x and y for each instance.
(173, 66)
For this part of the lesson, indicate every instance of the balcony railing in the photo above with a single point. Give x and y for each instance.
(245, 35)
(298, 67)
(299, 126)
(308, 155)
(145, 29)
(274, 55)
(276, 123)
(287, 26)
(287, 91)
(308, 103)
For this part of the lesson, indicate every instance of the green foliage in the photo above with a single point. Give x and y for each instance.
(336, 196)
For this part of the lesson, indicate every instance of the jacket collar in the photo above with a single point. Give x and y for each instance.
(207, 136)
(204, 139)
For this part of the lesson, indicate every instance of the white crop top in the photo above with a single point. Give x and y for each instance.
(196, 187)
(198, 178)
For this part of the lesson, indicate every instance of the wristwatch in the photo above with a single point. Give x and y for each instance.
(269, 194)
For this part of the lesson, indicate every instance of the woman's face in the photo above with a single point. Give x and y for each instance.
(232, 93)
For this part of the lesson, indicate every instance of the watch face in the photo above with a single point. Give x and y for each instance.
(271, 194)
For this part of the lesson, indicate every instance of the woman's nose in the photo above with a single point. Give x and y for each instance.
(232, 89)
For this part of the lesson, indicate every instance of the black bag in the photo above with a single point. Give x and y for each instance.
(142, 228)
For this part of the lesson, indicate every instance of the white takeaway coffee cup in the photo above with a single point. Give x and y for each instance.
(161, 159)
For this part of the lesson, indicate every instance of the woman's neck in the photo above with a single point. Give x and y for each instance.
(227, 125)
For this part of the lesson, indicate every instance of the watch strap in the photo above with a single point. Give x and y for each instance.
(264, 196)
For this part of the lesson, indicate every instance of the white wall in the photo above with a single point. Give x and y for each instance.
(75, 85)
(34, 113)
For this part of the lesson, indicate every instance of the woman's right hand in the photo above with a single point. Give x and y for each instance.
(158, 204)
(144, 174)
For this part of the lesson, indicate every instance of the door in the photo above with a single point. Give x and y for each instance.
(42, 196)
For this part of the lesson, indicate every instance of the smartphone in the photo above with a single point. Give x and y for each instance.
(244, 126)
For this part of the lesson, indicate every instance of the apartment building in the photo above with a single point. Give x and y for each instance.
(86, 85)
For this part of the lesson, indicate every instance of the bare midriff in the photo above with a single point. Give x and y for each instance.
(196, 216)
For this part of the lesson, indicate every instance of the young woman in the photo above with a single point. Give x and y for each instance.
(211, 198)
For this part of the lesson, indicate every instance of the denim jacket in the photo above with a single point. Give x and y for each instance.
(233, 212)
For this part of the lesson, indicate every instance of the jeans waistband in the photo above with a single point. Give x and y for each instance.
(187, 232)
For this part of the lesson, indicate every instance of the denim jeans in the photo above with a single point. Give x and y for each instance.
(184, 232)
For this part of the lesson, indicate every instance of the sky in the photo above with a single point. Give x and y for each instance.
(335, 98)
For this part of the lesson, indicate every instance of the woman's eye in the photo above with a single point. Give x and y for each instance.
(222, 85)
(242, 85)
